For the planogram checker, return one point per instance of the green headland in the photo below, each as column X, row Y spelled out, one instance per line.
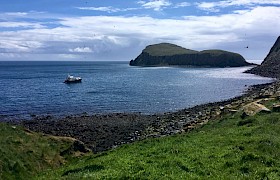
column 166, row 54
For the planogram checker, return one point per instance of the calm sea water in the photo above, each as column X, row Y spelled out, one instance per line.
column 37, row 88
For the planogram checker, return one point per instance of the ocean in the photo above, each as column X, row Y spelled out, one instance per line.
column 37, row 88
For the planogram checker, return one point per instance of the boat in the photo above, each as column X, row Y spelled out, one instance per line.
column 72, row 79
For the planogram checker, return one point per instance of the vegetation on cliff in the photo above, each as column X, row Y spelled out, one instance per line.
column 165, row 54
column 166, row 49
column 270, row 67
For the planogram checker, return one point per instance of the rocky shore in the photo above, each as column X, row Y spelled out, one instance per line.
column 103, row 132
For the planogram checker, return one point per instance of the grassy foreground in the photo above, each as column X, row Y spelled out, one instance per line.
column 23, row 154
column 228, row 148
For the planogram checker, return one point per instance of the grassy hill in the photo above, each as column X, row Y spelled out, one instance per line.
column 166, row 54
column 23, row 154
column 166, row 49
column 227, row 148
column 216, row 52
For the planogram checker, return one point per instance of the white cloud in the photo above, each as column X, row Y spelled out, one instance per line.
column 156, row 5
column 81, row 50
column 17, row 45
column 20, row 25
column 15, row 14
column 182, row 4
column 108, row 9
column 123, row 38
column 216, row 5
column 67, row 56
column 208, row 6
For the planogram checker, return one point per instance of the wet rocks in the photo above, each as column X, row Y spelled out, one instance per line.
column 99, row 132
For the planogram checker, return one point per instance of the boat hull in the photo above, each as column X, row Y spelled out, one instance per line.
column 73, row 81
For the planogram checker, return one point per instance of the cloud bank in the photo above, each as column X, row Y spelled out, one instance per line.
column 43, row 36
column 215, row 6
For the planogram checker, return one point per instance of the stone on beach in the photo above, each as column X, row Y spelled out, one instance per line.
column 253, row 108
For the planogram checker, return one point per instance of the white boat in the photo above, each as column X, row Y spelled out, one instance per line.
column 72, row 79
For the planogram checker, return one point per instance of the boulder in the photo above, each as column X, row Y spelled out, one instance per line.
column 253, row 108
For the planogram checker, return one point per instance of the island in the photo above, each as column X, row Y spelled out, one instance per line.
column 270, row 67
column 166, row 54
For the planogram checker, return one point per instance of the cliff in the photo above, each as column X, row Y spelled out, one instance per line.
column 165, row 54
column 270, row 67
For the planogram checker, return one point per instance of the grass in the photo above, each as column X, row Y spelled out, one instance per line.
column 23, row 154
column 228, row 148
column 166, row 49
column 217, row 52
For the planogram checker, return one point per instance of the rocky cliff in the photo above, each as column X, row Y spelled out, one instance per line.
column 270, row 67
column 165, row 54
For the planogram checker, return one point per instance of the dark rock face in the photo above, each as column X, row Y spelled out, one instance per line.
column 165, row 54
column 270, row 67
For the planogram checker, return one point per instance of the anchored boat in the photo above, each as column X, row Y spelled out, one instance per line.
column 72, row 79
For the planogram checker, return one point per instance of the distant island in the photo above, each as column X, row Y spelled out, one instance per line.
column 270, row 67
column 166, row 54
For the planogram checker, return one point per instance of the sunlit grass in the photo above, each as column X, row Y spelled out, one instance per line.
column 225, row 149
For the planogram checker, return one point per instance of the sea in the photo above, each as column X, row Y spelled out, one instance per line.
column 34, row 88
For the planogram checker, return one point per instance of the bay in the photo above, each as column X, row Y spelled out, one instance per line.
column 37, row 88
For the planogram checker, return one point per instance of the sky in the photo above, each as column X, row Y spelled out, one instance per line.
column 108, row 30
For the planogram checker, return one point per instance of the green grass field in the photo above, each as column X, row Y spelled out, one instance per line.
column 227, row 148
column 23, row 154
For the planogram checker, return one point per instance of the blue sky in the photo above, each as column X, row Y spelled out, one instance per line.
column 118, row 30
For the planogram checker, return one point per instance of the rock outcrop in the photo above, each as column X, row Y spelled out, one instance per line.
column 165, row 54
column 253, row 108
column 270, row 67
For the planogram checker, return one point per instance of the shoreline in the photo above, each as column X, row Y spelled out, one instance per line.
column 101, row 132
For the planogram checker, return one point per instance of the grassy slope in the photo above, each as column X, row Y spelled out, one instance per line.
column 229, row 148
column 24, row 154
column 216, row 52
column 166, row 49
